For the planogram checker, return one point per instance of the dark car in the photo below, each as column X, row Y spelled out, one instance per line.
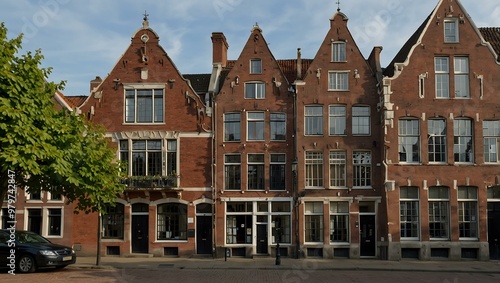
column 26, row 251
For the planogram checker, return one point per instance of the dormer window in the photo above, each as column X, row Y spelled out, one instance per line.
column 451, row 30
column 338, row 51
column 255, row 66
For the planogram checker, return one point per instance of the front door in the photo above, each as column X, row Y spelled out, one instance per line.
column 140, row 233
column 494, row 229
column 204, row 234
column 262, row 239
column 367, row 235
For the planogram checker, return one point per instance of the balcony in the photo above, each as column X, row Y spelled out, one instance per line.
column 133, row 183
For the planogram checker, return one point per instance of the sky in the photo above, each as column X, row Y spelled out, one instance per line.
column 84, row 39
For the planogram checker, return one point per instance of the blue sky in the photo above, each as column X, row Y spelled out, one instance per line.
column 84, row 39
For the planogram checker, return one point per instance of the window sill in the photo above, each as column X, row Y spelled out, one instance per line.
column 109, row 240
column 171, row 241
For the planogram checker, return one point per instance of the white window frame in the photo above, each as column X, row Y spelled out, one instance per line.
column 313, row 120
column 232, row 127
column 440, row 201
column 491, row 136
column 258, row 120
column 338, row 167
column 260, row 163
column 345, row 215
column 436, row 137
column 414, row 202
column 255, row 66
column 314, row 213
column 339, row 51
column 45, row 222
column 259, row 90
column 461, row 72
column 442, row 77
column 337, row 120
column 409, row 136
column 314, row 165
column 464, row 201
column 361, row 162
column 451, row 31
column 360, row 120
column 154, row 108
column 459, row 135
column 338, row 80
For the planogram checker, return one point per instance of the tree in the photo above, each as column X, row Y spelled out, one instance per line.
column 46, row 149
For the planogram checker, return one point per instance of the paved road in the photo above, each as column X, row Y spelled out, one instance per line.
column 299, row 275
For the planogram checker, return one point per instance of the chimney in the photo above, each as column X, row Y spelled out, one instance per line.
column 219, row 48
column 95, row 82
column 299, row 65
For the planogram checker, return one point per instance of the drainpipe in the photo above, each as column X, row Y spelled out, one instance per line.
column 213, row 168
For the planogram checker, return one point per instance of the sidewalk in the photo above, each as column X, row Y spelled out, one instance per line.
column 291, row 264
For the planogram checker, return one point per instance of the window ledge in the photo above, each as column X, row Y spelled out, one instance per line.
column 170, row 241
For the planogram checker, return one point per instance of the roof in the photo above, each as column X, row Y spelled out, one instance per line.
column 75, row 101
column 492, row 35
column 199, row 82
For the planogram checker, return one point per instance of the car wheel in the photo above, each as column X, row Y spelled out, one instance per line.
column 26, row 263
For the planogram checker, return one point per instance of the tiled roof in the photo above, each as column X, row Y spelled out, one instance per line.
column 492, row 35
column 75, row 101
column 199, row 82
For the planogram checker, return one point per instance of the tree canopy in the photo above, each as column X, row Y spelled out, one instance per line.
column 45, row 148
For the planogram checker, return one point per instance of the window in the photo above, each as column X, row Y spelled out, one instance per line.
column 439, row 217
column 409, row 140
column 467, row 212
column 112, row 221
column 277, row 172
column 451, row 30
column 409, row 213
column 54, row 220
column 255, row 66
column 362, row 168
column 144, row 106
column 314, row 169
column 437, row 140
column 256, row 172
column 146, row 157
column 35, row 195
column 232, row 172
column 255, row 90
column 314, row 221
column 232, row 129
column 55, row 196
column 313, row 120
column 281, row 217
column 338, row 52
column 338, row 81
column 172, row 221
column 360, row 120
column 339, row 221
column 35, row 220
column 462, row 89
column 255, row 121
column 6, row 218
column 491, row 134
column 278, row 126
column 337, row 120
column 171, row 157
column 238, row 221
column 337, row 169
column 463, row 147
column 442, row 77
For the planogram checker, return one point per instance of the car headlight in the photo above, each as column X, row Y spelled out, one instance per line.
column 47, row 252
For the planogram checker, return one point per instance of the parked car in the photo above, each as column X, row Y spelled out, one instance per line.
column 28, row 251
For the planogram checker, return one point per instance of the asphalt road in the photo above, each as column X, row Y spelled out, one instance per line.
column 171, row 274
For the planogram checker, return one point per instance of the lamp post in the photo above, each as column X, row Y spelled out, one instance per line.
column 296, row 205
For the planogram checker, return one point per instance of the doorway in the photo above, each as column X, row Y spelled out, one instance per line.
column 262, row 239
column 140, row 228
column 367, row 232
column 494, row 229
column 204, row 234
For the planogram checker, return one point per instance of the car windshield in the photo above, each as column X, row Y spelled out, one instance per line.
column 30, row 238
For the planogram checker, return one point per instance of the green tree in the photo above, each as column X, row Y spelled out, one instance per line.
column 46, row 149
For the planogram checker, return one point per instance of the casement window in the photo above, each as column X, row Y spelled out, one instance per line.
column 338, row 169
column 313, row 120
column 277, row 171
column 361, row 120
column 338, row 81
column 439, row 212
column 409, row 140
column 232, row 127
column 238, row 220
column 277, row 125
column 281, row 215
column 409, row 213
column 461, row 68
column 34, row 220
column 255, row 90
column 256, row 176
column 113, row 221
column 314, row 169
column 442, row 70
column 338, row 51
column 255, row 126
column 144, row 106
column 338, row 117
column 463, row 149
column 172, row 221
column 362, row 168
column 314, row 221
column 232, row 172
column 491, row 134
column 255, row 66
column 145, row 158
column 54, row 217
column 467, row 212
column 339, row 222
column 451, row 34
column 46, row 222
column 436, row 139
